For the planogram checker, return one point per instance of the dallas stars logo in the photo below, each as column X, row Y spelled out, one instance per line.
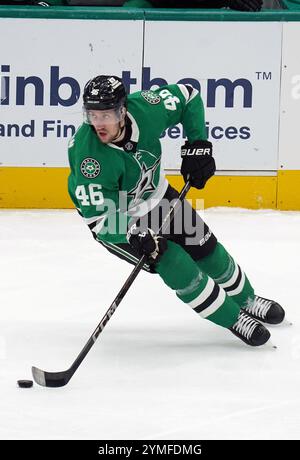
column 145, row 183
column 90, row 168
column 151, row 97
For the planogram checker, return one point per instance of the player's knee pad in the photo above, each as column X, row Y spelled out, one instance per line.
column 176, row 267
column 218, row 264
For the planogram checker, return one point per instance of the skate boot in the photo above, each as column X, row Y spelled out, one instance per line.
column 265, row 310
column 249, row 330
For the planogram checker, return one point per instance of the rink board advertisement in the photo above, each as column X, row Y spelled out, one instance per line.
column 289, row 145
column 236, row 66
column 42, row 77
column 248, row 75
column 288, row 196
column 42, row 81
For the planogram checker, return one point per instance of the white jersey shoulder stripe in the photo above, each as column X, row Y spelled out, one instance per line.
column 184, row 91
column 187, row 95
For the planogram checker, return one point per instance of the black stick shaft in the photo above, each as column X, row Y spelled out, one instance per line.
column 169, row 217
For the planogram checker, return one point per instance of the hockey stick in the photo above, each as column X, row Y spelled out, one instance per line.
column 59, row 379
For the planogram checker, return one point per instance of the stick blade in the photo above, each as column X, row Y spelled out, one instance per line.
column 50, row 379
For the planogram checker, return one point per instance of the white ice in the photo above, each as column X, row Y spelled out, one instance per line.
column 157, row 371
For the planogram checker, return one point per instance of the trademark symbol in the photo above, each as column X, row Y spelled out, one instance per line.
column 264, row 75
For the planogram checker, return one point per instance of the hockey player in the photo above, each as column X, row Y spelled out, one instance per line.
column 117, row 186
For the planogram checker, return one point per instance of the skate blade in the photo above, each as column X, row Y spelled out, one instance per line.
column 286, row 322
column 269, row 344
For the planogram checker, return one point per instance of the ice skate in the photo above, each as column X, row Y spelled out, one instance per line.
column 249, row 330
column 265, row 310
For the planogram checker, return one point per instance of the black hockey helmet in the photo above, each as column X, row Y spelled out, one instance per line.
column 104, row 92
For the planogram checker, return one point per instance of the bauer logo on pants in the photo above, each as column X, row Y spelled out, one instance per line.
column 90, row 168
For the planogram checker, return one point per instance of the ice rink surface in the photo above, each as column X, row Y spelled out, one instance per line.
column 157, row 371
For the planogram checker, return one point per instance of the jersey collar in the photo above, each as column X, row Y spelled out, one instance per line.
column 129, row 143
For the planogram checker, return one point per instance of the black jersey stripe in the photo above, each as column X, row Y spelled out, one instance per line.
column 123, row 254
column 190, row 89
column 236, row 283
column 92, row 225
column 210, row 299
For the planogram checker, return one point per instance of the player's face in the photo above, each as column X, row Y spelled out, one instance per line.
column 106, row 124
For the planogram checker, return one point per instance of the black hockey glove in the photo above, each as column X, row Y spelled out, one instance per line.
column 198, row 164
column 245, row 5
column 146, row 243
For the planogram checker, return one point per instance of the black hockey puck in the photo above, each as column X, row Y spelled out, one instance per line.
column 25, row 383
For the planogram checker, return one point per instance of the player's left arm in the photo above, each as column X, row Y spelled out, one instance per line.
column 184, row 104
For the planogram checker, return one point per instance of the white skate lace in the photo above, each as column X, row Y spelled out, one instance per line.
column 260, row 307
column 245, row 325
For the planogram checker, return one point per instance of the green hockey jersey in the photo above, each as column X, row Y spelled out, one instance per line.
column 111, row 184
